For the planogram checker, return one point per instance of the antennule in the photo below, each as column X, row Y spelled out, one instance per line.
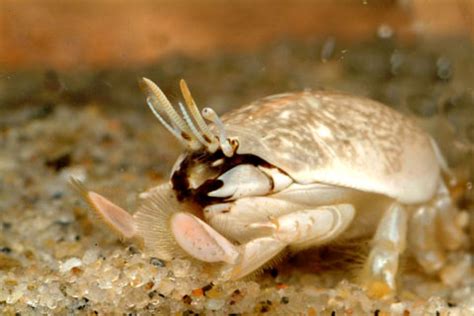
column 193, row 109
column 191, row 125
column 155, row 93
column 159, row 101
column 176, row 133
column 225, row 144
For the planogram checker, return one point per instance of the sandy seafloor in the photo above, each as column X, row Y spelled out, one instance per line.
column 94, row 125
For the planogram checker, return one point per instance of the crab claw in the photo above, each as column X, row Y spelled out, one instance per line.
column 200, row 240
column 164, row 225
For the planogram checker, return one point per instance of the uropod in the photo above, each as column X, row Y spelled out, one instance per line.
column 289, row 172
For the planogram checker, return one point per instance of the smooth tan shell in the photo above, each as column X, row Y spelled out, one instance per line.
column 339, row 139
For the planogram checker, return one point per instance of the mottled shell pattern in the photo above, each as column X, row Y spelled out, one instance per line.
column 339, row 139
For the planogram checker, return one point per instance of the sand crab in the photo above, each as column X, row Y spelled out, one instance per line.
column 293, row 171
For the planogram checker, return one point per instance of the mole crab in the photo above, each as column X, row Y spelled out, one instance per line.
column 289, row 172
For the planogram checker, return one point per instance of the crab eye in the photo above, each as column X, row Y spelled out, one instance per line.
column 234, row 143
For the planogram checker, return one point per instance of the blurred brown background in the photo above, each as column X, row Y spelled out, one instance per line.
column 68, row 34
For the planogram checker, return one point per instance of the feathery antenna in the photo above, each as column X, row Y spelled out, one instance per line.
column 190, row 129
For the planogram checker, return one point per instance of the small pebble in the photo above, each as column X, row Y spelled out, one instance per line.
column 157, row 262
column 69, row 264
column 5, row 249
column 214, row 304
column 6, row 225
column 59, row 162
column 207, row 288
column 187, row 299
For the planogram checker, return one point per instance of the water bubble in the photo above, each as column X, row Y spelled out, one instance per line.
column 444, row 68
column 396, row 62
column 327, row 50
column 385, row 31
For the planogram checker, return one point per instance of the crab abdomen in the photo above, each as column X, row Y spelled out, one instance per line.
column 339, row 139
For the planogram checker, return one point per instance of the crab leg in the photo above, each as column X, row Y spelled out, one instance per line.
column 115, row 217
column 299, row 228
column 389, row 242
column 434, row 229
column 200, row 240
column 423, row 239
column 450, row 229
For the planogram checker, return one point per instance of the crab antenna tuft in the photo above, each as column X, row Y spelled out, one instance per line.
column 173, row 131
column 225, row 144
column 191, row 125
column 193, row 109
column 160, row 101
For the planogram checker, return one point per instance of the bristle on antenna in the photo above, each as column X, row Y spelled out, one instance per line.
column 158, row 102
